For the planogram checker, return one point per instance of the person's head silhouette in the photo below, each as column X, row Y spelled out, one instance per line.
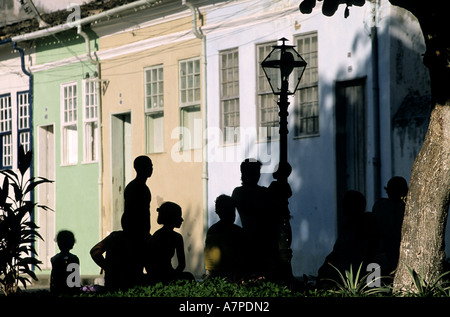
column 226, row 208
column 354, row 203
column 282, row 170
column 65, row 240
column 250, row 171
column 143, row 166
column 169, row 214
column 397, row 188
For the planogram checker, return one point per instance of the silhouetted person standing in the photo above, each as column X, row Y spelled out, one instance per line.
column 389, row 217
column 137, row 196
column 254, row 206
column 225, row 243
column 167, row 244
column 280, row 192
column 358, row 241
column 59, row 274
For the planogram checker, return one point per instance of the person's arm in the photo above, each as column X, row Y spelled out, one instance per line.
column 97, row 253
column 180, row 254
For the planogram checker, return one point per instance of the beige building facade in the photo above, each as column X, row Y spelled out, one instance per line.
column 151, row 105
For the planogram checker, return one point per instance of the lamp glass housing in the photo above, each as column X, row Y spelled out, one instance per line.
column 283, row 64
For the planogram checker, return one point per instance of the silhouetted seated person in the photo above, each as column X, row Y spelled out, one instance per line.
column 389, row 213
column 253, row 203
column 280, row 192
column 59, row 274
column 225, row 243
column 168, row 243
column 126, row 255
column 358, row 241
column 138, row 196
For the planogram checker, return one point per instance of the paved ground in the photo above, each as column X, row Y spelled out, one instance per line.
column 43, row 282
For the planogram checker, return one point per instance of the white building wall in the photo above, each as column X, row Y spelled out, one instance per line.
column 344, row 54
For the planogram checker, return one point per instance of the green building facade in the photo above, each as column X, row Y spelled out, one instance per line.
column 66, row 143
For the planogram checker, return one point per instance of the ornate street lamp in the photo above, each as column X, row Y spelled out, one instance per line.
column 284, row 68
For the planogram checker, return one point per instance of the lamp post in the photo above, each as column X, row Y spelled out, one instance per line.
column 284, row 68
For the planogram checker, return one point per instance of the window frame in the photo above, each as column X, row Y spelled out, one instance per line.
column 6, row 127
column 185, row 107
column 309, row 84
column 265, row 96
column 65, row 156
column 228, row 97
column 90, row 106
column 24, row 120
column 154, row 112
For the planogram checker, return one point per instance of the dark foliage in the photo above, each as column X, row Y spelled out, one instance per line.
column 18, row 231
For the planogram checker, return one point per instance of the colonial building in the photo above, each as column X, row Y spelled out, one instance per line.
column 152, row 105
column 66, row 141
column 114, row 82
column 357, row 119
column 92, row 87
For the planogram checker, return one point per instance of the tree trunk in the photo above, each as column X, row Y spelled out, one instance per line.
column 423, row 247
column 423, row 234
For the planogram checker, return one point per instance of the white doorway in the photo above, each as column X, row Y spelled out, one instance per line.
column 46, row 194
column 121, row 163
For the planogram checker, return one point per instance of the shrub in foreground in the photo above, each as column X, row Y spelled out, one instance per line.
column 214, row 287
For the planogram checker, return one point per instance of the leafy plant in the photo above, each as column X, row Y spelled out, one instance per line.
column 425, row 289
column 352, row 285
column 18, row 231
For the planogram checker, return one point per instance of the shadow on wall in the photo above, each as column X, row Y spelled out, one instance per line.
column 410, row 124
column 408, row 110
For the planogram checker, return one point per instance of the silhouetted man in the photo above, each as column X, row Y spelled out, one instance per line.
column 254, row 207
column 389, row 216
column 137, row 195
column 357, row 244
column 225, row 242
column 126, row 255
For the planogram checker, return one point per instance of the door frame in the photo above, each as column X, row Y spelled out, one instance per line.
column 115, row 220
column 48, row 242
column 341, row 181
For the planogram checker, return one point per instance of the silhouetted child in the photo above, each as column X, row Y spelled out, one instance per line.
column 280, row 192
column 138, row 197
column 358, row 241
column 168, row 243
column 389, row 217
column 253, row 203
column 225, row 242
column 59, row 274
